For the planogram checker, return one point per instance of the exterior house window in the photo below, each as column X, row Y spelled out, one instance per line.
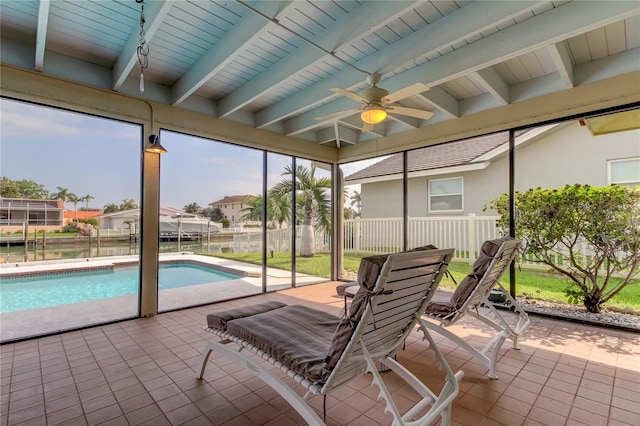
column 445, row 195
column 624, row 172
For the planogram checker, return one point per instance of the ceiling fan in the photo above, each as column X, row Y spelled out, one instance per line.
column 376, row 102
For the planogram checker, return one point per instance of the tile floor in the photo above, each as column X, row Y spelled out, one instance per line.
column 142, row 372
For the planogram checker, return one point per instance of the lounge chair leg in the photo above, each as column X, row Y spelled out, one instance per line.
column 515, row 343
column 204, row 359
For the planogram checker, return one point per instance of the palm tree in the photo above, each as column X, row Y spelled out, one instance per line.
column 312, row 192
column 128, row 204
column 356, row 200
column 62, row 194
column 253, row 211
column 86, row 199
column 278, row 208
column 192, row 208
column 110, row 208
column 73, row 198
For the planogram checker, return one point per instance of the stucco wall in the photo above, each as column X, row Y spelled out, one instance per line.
column 566, row 156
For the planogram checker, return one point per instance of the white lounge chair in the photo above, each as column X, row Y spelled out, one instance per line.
column 323, row 351
column 471, row 297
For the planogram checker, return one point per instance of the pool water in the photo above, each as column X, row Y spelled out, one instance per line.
column 21, row 294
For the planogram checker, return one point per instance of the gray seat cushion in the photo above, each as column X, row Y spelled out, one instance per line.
column 219, row 320
column 462, row 292
column 297, row 336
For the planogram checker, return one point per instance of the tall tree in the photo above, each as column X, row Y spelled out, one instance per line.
column 86, row 199
column 253, row 211
column 128, row 204
column 278, row 208
column 22, row 189
column 356, row 201
column 62, row 194
column 74, row 199
column 313, row 193
column 192, row 208
column 110, row 208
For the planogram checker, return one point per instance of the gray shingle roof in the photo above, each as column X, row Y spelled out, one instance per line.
column 434, row 157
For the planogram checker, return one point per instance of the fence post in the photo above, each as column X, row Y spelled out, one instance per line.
column 472, row 238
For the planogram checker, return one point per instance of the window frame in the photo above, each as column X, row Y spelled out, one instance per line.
column 621, row 160
column 430, row 196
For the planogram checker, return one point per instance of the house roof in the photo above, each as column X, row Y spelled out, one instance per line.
column 7, row 202
column 271, row 65
column 81, row 214
column 451, row 154
column 164, row 211
column 231, row 199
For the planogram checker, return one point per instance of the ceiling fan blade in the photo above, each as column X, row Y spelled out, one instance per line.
column 336, row 114
column 411, row 112
column 396, row 96
column 348, row 94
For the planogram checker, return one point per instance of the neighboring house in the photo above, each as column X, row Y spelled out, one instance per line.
column 231, row 206
column 16, row 213
column 460, row 178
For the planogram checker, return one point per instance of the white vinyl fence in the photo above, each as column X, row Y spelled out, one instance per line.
column 464, row 233
column 384, row 235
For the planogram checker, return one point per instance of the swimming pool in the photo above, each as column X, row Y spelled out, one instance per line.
column 44, row 290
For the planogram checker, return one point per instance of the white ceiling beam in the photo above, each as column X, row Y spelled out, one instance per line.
column 41, row 33
column 442, row 101
column 358, row 23
column 562, row 61
column 492, row 83
column 557, row 24
column 250, row 28
column 478, row 16
column 607, row 67
column 154, row 14
column 410, row 122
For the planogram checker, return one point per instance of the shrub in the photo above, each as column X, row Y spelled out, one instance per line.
column 71, row 227
column 596, row 229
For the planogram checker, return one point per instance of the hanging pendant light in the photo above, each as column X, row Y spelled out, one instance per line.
column 154, row 145
column 143, row 48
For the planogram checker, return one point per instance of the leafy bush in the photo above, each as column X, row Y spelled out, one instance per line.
column 597, row 230
column 91, row 221
column 71, row 227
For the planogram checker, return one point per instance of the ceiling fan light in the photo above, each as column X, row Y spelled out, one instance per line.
column 373, row 115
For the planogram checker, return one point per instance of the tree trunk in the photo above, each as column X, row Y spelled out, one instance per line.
column 307, row 242
column 592, row 303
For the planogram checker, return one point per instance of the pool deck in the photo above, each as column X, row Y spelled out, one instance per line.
column 35, row 322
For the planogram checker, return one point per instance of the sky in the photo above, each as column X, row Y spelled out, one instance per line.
column 100, row 157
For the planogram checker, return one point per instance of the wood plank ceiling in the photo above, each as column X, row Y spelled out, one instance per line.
column 271, row 64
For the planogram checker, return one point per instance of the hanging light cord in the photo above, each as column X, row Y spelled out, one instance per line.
column 143, row 47
column 301, row 37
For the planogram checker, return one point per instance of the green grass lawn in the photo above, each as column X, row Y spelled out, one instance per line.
column 531, row 283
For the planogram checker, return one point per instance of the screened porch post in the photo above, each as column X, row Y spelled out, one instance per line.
column 149, row 230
